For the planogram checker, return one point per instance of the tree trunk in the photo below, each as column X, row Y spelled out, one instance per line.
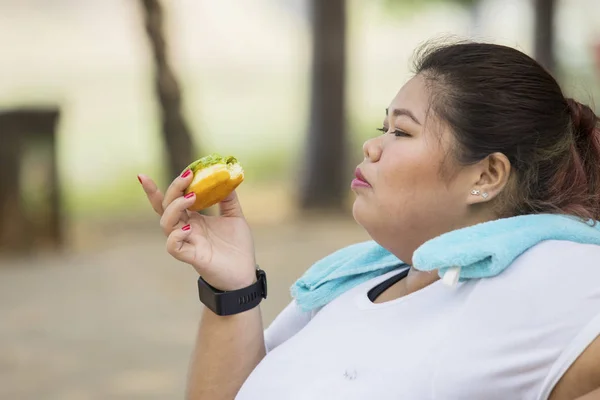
column 544, row 33
column 176, row 135
column 322, row 184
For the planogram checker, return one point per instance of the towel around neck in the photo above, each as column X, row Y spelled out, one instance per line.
column 481, row 251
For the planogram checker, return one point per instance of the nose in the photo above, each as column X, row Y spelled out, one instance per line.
column 372, row 149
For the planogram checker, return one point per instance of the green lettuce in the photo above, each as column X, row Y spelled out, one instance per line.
column 210, row 160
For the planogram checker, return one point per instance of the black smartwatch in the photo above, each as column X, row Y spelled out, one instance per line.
column 236, row 301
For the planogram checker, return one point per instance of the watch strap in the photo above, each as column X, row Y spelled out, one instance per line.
column 235, row 301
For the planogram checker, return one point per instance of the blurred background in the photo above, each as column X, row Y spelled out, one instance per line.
column 93, row 92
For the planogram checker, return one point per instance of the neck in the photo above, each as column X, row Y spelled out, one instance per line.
column 417, row 280
column 405, row 248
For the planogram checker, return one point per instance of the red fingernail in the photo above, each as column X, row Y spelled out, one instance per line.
column 186, row 173
column 189, row 195
column 186, row 228
column 139, row 179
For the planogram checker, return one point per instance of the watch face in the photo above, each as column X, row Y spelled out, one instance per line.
column 208, row 297
column 261, row 277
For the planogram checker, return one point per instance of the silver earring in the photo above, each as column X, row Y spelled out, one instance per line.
column 476, row 192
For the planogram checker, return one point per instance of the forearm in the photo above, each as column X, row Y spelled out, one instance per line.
column 227, row 349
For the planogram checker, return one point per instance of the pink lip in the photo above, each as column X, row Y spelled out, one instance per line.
column 356, row 183
column 360, row 180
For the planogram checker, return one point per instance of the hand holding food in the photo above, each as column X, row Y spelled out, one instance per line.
column 220, row 247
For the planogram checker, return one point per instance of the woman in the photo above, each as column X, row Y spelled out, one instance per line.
column 479, row 134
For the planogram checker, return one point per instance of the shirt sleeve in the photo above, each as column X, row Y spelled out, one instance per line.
column 289, row 322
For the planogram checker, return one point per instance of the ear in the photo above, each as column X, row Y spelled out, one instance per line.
column 490, row 177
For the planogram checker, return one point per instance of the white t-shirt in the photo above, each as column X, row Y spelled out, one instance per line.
column 507, row 337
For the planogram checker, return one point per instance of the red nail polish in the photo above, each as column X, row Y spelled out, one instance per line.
column 186, row 173
column 189, row 195
column 139, row 179
column 186, row 228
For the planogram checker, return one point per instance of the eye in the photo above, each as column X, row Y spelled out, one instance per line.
column 396, row 132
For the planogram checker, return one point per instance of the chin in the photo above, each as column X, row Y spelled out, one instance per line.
column 371, row 218
column 360, row 211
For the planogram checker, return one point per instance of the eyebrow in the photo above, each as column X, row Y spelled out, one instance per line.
column 403, row 111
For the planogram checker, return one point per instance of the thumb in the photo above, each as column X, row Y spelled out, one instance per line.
column 230, row 206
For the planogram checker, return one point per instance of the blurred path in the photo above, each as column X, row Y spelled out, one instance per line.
column 118, row 320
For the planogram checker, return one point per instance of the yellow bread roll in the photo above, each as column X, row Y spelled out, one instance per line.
column 215, row 177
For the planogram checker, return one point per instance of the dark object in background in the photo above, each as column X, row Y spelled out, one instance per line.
column 30, row 204
column 323, row 169
column 544, row 33
column 175, row 132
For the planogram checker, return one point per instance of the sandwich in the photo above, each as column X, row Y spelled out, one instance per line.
column 215, row 177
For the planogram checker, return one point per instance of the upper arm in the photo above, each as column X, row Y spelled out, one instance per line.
column 595, row 395
column 289, row 322
column 582, row 378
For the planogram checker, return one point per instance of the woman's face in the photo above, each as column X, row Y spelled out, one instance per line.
column 415, row 190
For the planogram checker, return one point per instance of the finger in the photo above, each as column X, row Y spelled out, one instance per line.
column 175, row 215
column 155, row 197
column 230, row 206
column 177, row 187
column 180, row 245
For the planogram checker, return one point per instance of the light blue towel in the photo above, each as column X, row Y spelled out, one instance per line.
column 482, row 251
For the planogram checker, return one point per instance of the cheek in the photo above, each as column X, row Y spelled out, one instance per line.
column 411, row 187
column 408, row 175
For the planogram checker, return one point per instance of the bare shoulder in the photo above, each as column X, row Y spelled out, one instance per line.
column 582, row 377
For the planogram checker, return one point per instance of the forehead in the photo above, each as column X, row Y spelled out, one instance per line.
column 413, row 96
